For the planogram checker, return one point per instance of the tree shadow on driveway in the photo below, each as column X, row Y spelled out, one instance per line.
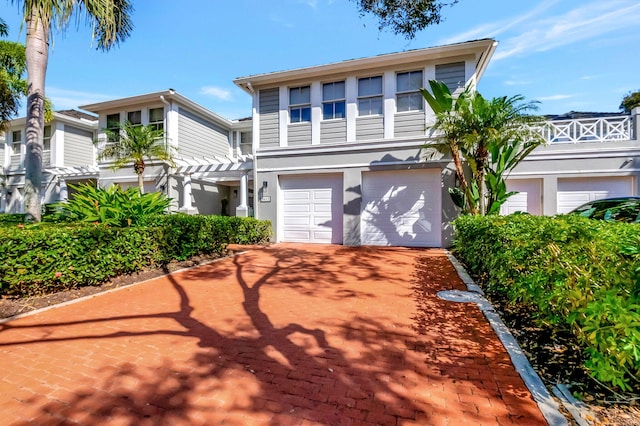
column 285, row 335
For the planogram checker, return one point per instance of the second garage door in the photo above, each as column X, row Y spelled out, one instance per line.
column 573, row 192
column 311, row 209
column 402, row 208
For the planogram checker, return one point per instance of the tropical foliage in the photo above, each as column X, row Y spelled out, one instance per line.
column 13, row 63
column 577, row 273
column 134, row 145
column 113, row 206
column 630, row 101
column 490, row 135
column 110, row 23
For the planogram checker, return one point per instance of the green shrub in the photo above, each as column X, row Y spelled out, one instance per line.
column 112, row 206
column 11, row 218
column 578, row 273
column 44, row 257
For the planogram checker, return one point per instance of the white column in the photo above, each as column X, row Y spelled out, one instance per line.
column 3, row 200
column 283, row 115
column 389, row 95
column 186, row 194
column 63, row 192
column 351, row 89
column 243, row 210
column 316, row 111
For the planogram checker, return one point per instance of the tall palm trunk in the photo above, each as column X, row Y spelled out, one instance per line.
column 457, row 162
column 37, row 49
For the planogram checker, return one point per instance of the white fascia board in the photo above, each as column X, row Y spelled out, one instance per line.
column 57, row 117
column 249, row 83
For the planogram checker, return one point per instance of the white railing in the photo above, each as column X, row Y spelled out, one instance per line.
column 588, row 130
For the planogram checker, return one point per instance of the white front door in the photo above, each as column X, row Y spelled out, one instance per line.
column 310, row 208
column 402, row 208
column 573, row 192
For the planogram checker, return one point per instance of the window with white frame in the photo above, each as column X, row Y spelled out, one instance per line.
column 333, row 100
column 156, row 118
column 408, row 96
column 113, row 125
column 16, row 141
column 300, row 104
column 134, row 117
column 46, row 141
column 370, row 96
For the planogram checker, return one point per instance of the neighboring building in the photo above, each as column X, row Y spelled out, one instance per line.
column 68, row 157
column 589, row 156
column 213, row 154
column 339, row 149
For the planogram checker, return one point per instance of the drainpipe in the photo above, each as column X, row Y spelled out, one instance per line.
column 635, row 123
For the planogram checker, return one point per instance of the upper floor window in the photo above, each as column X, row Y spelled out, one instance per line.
column 156, row 118
column 300, row 104
column 16, row 141
column 408, row 96
column 370, row 96
column 134, row 117
column 46, row 142
column 333, row 100
column 113, row 124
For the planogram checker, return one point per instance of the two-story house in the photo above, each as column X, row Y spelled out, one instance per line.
column 339, row 149
column 68, row 157
column 212, row 174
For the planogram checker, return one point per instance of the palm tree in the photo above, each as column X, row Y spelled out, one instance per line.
column 110, row 21
column 492, row 136
column 133, row 144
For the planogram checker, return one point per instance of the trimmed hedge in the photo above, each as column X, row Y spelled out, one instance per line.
column 45, row 258
column 578, row 273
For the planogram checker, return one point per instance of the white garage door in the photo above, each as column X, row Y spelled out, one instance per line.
column 528, row 198
column 402, row 208
column 311, row 209
column 577, row 191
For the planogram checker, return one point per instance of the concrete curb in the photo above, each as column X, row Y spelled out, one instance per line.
column 548, row 406
column 91, row 296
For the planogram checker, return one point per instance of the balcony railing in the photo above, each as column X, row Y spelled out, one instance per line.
column 601, row 129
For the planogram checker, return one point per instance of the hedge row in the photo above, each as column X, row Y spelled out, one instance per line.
column 578, row 273
column 44, row 258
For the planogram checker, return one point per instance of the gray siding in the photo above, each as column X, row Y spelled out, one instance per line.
column 246, row 142
column 451, row 74
column 46, row 158
column 299, row 134
column 333, row 131
column 269, row 119
column 371, row 127
column 410, row 124
column 198, row 137
column 78, row 147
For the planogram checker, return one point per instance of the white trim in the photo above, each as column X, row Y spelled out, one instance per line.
column 470, row 73
column 351, row 93
column 584, row 154
column 57, row 145
column 578, row 173
column 316, row 111
column 369, row 166
column 417, row 142
column 283, row 116
column 389, row 103
column 429, row 115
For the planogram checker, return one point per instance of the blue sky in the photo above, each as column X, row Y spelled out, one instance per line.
column 577, row 55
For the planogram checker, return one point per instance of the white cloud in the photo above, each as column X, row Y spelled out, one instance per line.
column 557, row 97
column 275, row 18
column 517, row 82
column 72, row 99
column 586, row 22
column 493, row 29
column 216, row 92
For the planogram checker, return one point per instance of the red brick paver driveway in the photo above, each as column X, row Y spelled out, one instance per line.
column 288, row 335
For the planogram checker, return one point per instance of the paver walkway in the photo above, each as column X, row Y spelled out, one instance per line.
column 288, row 335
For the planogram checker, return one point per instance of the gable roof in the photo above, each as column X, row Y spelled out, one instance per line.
column 484, row 48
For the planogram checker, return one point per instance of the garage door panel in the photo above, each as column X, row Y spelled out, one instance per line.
column 528, row 198
column 312, row 207
column 573, row 192
column 402, row 208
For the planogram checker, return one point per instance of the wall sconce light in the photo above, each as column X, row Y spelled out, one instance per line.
column 235, row 193
column 264, row 184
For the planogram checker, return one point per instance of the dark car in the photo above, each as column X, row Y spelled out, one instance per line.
column 620, row 209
